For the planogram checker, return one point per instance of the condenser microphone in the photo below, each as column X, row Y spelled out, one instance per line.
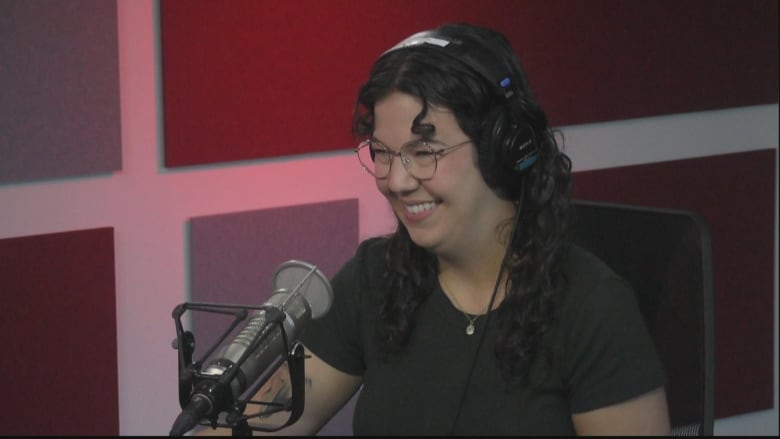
column 302, row 293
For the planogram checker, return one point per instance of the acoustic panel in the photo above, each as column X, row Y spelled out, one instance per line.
column 233, row 256
column 736, row 195
column 59, row 76
column 58, row 334
column 250, row 79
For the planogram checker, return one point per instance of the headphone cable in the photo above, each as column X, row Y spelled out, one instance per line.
column 507, row 252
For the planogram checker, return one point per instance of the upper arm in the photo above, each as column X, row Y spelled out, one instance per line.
column 327, row 390
column 611, row 367
column 646, row 414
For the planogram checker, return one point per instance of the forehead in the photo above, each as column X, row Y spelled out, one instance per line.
column 394, row 117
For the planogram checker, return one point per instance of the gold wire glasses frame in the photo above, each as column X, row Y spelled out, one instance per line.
column 418, row 158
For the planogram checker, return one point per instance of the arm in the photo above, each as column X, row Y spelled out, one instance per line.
column 646, row 414
column 327, row 390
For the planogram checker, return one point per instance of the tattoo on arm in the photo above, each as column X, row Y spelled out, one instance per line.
column 277, row 391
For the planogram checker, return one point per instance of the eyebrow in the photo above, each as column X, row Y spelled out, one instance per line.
column 378, row 140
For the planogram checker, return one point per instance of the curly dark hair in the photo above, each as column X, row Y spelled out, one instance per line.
column 535, row 277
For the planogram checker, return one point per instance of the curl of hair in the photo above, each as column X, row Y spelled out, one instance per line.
column 535, row 280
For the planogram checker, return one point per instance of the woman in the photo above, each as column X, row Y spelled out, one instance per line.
column 476, row 316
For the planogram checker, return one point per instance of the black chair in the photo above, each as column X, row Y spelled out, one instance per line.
column 666, row 255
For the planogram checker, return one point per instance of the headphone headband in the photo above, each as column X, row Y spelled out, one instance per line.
column 476, row 56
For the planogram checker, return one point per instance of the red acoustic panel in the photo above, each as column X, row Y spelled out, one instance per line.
column 58, row 335
column 736, row 195
column 250, row 79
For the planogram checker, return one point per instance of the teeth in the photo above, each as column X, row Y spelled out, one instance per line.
column 417, row 208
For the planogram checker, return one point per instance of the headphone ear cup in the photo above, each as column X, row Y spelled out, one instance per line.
column 514, row 143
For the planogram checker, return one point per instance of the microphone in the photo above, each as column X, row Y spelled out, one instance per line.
column 302, row 293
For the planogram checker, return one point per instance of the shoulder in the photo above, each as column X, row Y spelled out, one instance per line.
column 363, row 269
column 593, row 289
column 373, row 248
column 586, row 274
column 369, row 256
column 582, row 266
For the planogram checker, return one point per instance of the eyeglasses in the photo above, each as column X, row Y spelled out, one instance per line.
column 418, row 157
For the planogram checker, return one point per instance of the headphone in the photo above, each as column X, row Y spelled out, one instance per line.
column 513, row 140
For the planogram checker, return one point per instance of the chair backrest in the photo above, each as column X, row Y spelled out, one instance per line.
column 666, row 255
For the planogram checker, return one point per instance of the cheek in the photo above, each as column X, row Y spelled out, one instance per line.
column 382, row 186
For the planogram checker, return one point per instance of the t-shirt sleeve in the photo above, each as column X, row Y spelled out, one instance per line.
column 335, row 336
column 609, row 354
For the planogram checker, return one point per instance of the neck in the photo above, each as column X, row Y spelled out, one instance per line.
column 469, row 275
column 470, row 288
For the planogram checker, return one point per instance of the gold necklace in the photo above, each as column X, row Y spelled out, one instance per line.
column 469, row 318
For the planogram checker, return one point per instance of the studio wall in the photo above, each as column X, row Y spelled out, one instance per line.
column 213, row 116
column 252, row 79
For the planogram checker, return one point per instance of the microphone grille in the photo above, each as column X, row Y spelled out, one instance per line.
column 308, row 281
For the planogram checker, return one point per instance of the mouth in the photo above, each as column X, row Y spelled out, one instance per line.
column 416, row 209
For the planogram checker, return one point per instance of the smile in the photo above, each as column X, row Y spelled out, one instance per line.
column 419, row 208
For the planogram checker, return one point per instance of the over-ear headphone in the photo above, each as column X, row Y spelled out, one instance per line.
column 514, row 140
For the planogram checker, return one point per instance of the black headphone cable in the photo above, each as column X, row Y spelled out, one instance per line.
column 507, row 252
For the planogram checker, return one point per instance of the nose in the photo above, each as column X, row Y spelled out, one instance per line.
column 400, row 179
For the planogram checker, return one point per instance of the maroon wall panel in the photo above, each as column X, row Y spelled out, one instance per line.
column 249, row 79
column 736, row 194
column 58, row 335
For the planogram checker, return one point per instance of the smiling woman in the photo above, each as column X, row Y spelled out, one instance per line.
column 477, row 316
column 484, row 235
column 453, row 206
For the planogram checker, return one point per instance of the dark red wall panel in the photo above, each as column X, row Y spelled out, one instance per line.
column 58, row 335
column 735, row 193
column 250, row 79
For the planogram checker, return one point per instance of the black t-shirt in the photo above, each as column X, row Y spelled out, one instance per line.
column 601, row 355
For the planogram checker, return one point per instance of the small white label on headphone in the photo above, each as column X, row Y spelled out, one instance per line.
column 426, row 40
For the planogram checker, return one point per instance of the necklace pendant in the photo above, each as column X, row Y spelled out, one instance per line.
column 470, row 329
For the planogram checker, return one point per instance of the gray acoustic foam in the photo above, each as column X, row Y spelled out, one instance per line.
column 59, row 89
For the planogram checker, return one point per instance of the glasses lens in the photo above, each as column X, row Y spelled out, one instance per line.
column 375, row 158
column 420, row 159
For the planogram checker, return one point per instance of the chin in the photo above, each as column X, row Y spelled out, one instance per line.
column 425, row 242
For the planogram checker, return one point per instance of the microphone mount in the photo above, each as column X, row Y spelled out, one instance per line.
column 192, row 381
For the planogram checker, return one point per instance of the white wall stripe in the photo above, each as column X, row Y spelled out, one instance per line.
column 671, row 137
